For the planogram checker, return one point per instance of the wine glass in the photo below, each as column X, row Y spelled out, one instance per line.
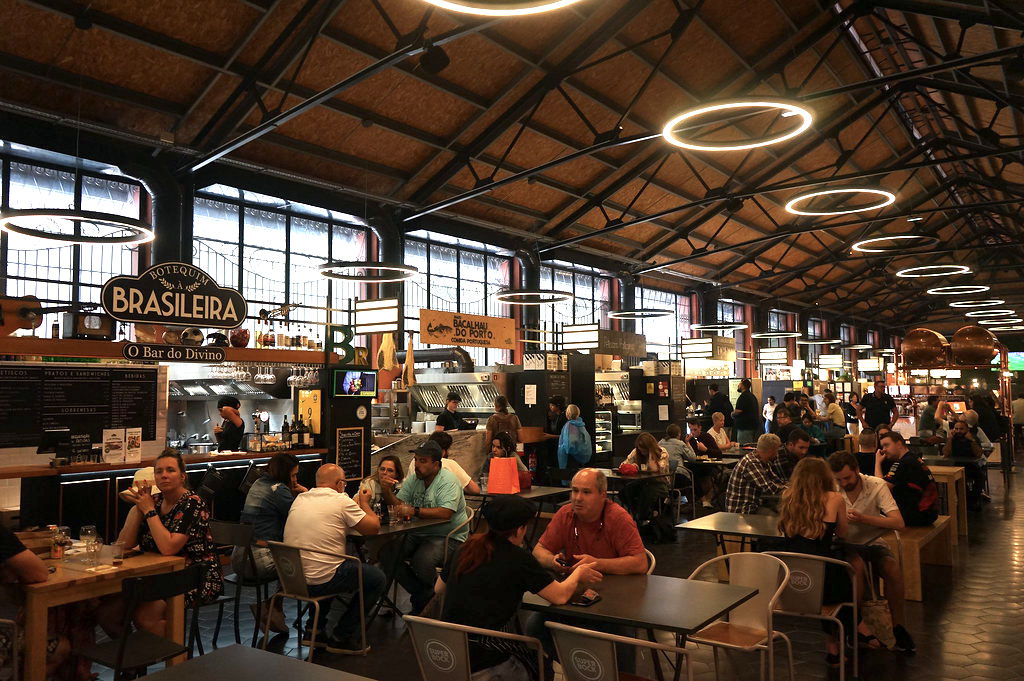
column 87, row 533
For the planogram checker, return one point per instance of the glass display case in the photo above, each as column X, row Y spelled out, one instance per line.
column 603, row 431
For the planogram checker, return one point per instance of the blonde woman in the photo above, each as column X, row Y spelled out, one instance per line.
column 719, row 432
column 642, row 497
column 812, row 515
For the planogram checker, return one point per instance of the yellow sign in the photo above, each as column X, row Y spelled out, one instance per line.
column 452, row 328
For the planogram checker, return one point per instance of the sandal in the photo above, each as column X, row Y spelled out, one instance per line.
column 870, row 642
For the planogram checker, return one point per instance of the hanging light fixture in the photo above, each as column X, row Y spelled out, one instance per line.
column 71, row 226
column 368, row 272
column 977, row 303
column 532, row 296
column 933, row 271
column 1001, row 321
column 859, row 346
column 640, row 313
column 896, row 243
column 787, row 108
column 1012, row 327
column 724, row 327
column 990, row 313
column 887, row 199
column 819, row 341
column 501, row 8
column 957, row 290
column 776, row 334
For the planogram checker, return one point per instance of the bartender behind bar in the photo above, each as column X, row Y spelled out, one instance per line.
column 229, row 432
column 450, row 419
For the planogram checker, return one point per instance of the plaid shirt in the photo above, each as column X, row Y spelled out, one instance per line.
column 752, row 479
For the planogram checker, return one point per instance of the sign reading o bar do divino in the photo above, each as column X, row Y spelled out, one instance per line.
column 173, row 293
column 452, row 328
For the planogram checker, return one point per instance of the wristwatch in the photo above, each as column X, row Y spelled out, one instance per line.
column 416, row 511
column 150, row 514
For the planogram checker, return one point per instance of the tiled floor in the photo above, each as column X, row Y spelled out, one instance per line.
column 970, row 627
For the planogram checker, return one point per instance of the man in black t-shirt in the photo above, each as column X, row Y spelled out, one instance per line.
column 719, row 402
column 450, row 419
column 910, row 481
column 26, row 566
column 878, row 408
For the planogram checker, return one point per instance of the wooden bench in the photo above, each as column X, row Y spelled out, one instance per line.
column 917, row 545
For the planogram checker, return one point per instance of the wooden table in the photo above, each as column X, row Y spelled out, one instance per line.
column 652, row 602
column 71, row 582
column 242, row 663
column 956, row 495
column 614, row 474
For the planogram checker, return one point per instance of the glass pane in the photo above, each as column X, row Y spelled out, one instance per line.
column 309, row 237
column 110, row 196
column 37, row 187
column 264, row 229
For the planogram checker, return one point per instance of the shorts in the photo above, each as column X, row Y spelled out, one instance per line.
column 874, row 554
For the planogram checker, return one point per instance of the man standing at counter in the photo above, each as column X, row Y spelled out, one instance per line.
column 229, row 433
column 746, row 421
column 719, row 402
column 878, row 408
column 450, row 419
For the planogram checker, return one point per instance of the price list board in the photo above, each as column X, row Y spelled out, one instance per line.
column 83, row 399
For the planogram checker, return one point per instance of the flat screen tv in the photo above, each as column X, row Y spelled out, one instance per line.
column 1016, row 361
column 355, row 383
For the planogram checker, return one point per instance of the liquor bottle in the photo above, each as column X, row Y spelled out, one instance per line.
column 285, row 431
column 300, row 432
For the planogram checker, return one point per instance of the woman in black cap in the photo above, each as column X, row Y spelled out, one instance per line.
column 484, row 582
column 229, row 432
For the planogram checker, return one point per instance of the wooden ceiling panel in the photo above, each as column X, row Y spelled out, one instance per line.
column 224, row 23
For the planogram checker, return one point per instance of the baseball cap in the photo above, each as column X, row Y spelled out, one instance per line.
column 454, row 397
column 507, row 512
column 429, row 448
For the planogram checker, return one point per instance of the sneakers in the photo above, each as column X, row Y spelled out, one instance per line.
column 904, row 643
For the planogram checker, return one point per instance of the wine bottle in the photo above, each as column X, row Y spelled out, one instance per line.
column 285, row 431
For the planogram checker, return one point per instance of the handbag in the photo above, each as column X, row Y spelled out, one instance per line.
column 503, row 477
column 875, row 613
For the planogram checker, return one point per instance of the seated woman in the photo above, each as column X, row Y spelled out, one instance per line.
column 484, row 582
column 266, row 508
column 811, row 516
column 502, row 446
column 642, row 497
column 964, row 443
column 173, row 522
column 389, row 468
column 719, row 432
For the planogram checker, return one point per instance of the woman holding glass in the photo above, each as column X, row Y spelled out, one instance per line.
column 173, row 522
column 389, row 468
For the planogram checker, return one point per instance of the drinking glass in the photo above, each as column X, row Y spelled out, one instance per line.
column 92, row 551
column 393, row 518
column 87, row 533
column 117, row 553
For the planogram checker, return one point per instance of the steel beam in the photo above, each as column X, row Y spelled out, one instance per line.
column 954, row 11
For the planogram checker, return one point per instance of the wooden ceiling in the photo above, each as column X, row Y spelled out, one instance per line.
column 921, row 98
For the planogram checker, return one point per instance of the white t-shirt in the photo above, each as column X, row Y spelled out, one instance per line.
column 768, row 412
column 460, row 474
column 875, row 498
column 321, row 519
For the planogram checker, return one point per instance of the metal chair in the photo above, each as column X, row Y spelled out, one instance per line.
column 651, row 561
column 805, row 593
column 288, row 561
column 588, row 655
column 239, row 535
column 455, row 530
column 676, row 493
column 10, row 626
column 442, row 648
column 252, row 474
column 750, row 625
column 211, row 483
column 135, row 649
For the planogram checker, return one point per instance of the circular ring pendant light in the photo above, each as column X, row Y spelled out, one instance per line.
column 977, row 303
column 990, row 313
column 957, row 290
column 534, row 296
column 819, row 341
column 640, row 313
column 859, row 346
column 933, row 271
column 725, row 327
column 887, row 199
column 65, row 226
column 787, row 107
column 1001, row 320
column 368, row 272
column 776, row 334
column 897, row 243
column 1012, row 327
column 501, row 8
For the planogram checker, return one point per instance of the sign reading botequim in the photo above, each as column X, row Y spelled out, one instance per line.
column 173, row 293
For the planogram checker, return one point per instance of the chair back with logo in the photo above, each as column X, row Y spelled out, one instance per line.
column 588, row 655
column 767, row 574
column 442, row 651
column 805, row 590
column 288, row 562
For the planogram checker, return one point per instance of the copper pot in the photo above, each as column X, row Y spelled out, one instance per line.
column 973, row 345
column 924, row 348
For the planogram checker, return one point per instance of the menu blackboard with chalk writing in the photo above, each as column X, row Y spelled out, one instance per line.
column 85, row 399
column 349, row 452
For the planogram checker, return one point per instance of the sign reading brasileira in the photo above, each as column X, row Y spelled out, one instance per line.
column 173, row 293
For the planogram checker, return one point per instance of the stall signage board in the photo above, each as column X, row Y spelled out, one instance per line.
column 149, row 352
column 349, row 452
column 621, row 343
column 451, row 328
column 173, row 294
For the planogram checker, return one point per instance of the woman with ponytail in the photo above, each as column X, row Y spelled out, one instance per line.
column 484, row 582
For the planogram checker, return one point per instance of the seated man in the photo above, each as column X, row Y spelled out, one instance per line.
column 432, row 493
column 756, row 477
column 869, row 502
column 444, row 440
column 797, row 445
column 910, row 481
column 591, row 529
column 963, row 444
column 700, row 442
column 319, row 520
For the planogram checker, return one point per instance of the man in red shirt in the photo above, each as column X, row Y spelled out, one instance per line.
column 591, row 529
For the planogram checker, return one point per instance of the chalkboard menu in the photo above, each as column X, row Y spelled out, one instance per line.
column 349, row 452
column 84, row 399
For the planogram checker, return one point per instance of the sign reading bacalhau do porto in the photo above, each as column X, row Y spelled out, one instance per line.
column 451, row 328
column 173, row 293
